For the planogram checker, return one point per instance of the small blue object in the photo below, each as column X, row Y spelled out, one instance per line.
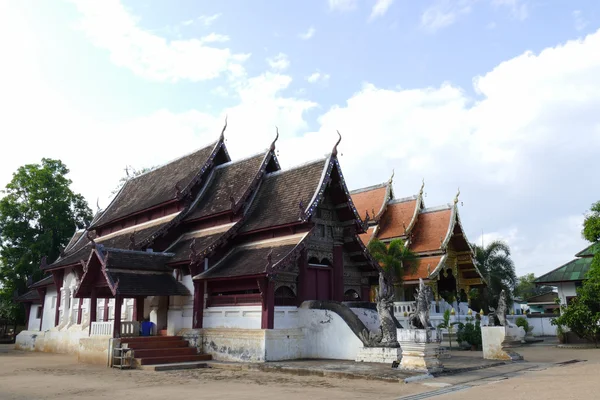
column 147, row 328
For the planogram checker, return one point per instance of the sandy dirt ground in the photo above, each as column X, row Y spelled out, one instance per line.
column 52, row 376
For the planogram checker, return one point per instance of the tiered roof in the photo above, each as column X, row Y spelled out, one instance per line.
column 135, row 250
column 427, row 231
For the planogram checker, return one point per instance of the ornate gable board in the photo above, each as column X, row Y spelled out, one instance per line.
column 252, row 188
column 324, row 181
column 418, row 207
column 102, row 258
column 273, row 270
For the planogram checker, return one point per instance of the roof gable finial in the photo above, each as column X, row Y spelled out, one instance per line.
column 98, row 204
column 456, row 197
column 222, row 137
column 422, row 187
column 391, row 180
column 334, row 151
column 272, row 148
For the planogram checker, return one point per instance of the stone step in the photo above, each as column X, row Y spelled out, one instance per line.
column 145, row 339
column 173, row 359
column 159, row 344
column 176, row 366
column 178, row 351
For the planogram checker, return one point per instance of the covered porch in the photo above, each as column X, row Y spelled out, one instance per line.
column 116, row 276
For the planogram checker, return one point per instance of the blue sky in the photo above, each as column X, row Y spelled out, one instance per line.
column 497, row 97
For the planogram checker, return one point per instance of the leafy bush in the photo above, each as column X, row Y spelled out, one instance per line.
column 523, row 323
column 470, row 333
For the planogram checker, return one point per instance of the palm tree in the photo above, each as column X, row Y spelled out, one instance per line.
column 494, row 262
column 393, row 259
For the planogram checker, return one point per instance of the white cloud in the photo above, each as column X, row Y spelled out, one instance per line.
column 579, row 20
column 110, row 26
column 443, row 13
column 280, row 62
column 308, row 34
column 214, row 38
column 518, row 8
column 521, row 150
column 208, row 20
column 380, row 8
column 188, row 22
column 317, row 77
column 342, row 5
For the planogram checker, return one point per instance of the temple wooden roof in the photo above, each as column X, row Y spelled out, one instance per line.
column 158, row 186
column 255, row 258
column 202, row 240
column 230, row 182
column 280, row 195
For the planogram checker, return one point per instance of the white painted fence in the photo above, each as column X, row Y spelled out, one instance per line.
column 102, row 328
column 128, row 328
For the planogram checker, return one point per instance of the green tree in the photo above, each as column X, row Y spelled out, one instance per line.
column 582, row 315
column 497, row 267
column 527, row 288
column 38, row 214
column 591, row 224
column 395, row 259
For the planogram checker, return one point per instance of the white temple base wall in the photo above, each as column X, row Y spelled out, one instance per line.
column 311, row 334
column 419, row 350
column 386, row 355
column 498, row 341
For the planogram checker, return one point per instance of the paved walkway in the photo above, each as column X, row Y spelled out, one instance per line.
column 458, row 363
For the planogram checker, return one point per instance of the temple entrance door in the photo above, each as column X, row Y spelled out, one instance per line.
column 319, row 287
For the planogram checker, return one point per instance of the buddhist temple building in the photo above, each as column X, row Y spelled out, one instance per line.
column 435, row 234
column 219, row 250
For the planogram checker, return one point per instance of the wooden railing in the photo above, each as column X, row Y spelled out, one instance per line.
column 234, row 300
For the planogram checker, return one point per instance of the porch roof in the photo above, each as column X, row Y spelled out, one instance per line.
column 31, row 296
column 128, row 273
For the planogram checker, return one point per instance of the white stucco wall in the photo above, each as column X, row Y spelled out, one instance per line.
column 286, row 317
column 34, row 323
column 326, row 335
column 368, row 317
column 49, row 309
column 181, row 309
column 542, row 326
column 240, row 317
column 565, row 290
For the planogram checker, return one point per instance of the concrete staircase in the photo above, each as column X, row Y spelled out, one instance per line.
column 163, row 350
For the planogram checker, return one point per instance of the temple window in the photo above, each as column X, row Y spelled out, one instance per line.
column 284, row 296
column 351, row 295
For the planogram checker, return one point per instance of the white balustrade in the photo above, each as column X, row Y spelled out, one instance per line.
column 130, row 328
column 102, row 328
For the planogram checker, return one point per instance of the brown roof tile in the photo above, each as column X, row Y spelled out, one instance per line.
column 251, row 259
column 397, row 216
column 430, row 230
column 203, row 239
column 277, row 201
column 155, row 187
column 231, row 179
column 422, row 270
column 367, row 236
column 369, row 199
